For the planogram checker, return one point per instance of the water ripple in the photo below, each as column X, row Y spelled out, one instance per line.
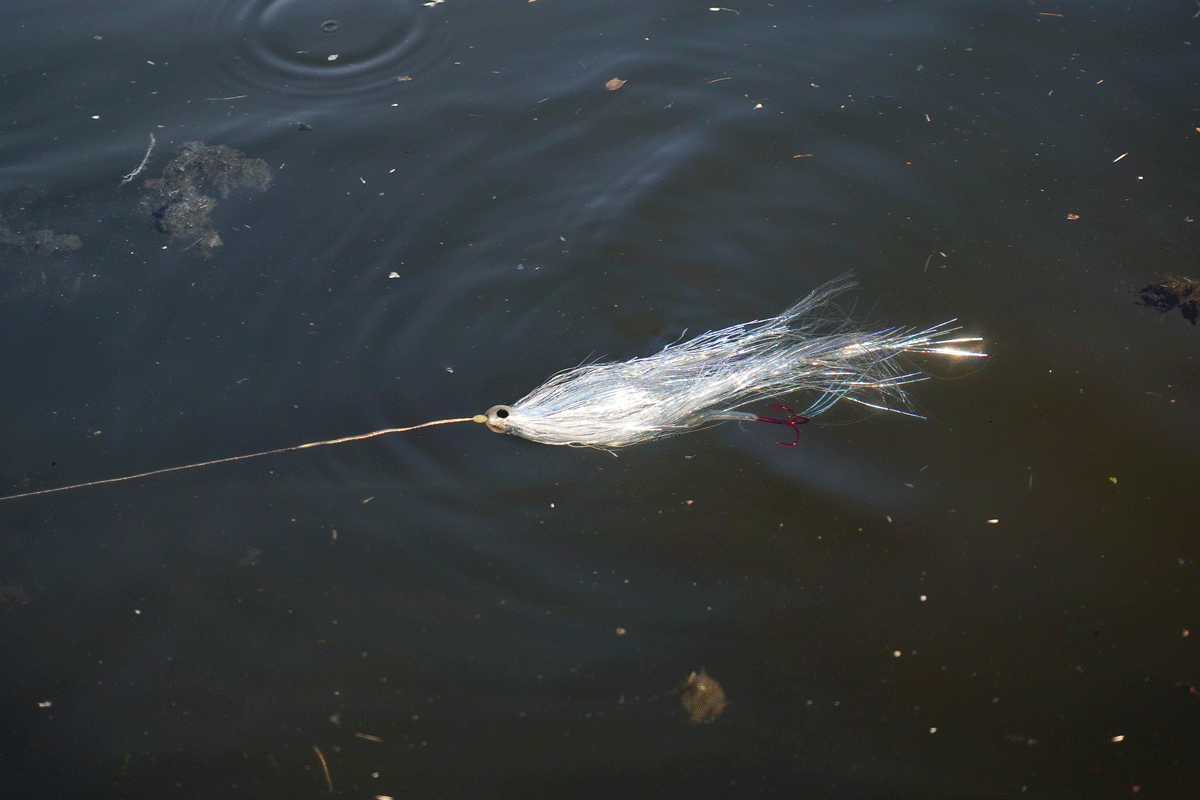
column 315, row 49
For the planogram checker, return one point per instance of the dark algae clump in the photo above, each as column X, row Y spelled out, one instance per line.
column 1183, row 293
column 177, row 201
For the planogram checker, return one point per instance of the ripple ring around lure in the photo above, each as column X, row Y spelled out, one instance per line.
column 315, row 48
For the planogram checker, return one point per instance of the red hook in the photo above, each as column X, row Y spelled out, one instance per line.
column 793, row 419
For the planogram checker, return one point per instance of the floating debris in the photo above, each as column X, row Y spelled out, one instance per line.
column 12, row 596
column 1175, row 291
column 57, row 280
column 324, row 768
column 141, row 166
column 178, row 206
column 614, row 84
column 251, row 557
column 40, row 242
column 702, row 698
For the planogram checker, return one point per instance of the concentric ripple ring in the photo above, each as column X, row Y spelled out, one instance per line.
column 317, row 48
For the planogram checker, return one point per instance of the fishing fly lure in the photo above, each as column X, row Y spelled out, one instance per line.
column 813, row 347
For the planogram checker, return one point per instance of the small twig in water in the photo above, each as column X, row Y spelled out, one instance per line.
column 324, row 766
column 140, row 166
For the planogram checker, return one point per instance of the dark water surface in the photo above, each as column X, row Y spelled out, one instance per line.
column 978, row 604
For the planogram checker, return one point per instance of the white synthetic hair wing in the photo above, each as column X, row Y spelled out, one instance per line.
column 811, row 347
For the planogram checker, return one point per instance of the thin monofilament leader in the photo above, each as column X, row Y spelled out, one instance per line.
column 811, row 347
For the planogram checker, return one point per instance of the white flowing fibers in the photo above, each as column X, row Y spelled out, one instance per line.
column 812, row 347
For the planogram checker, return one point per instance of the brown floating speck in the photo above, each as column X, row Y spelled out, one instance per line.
column 702, row 698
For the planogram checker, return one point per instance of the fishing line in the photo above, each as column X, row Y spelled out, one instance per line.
column 477, row 418
column 813, row 347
